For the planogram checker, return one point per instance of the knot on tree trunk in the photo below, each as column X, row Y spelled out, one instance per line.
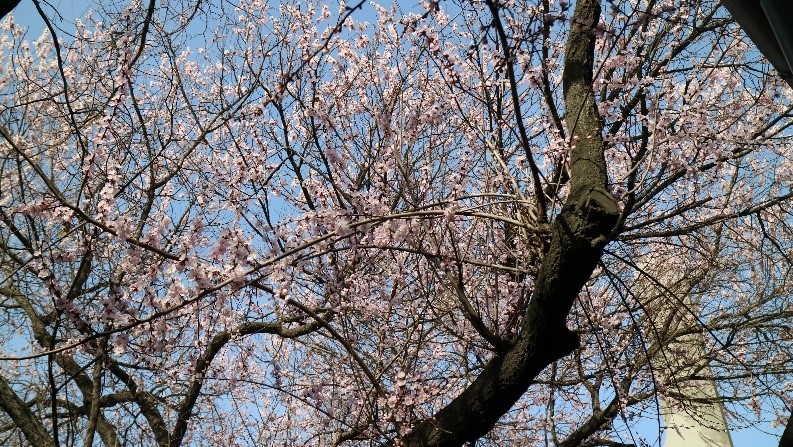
column 590, row 215
column 579, row 234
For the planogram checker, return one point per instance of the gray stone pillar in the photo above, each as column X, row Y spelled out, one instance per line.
column 690, row 405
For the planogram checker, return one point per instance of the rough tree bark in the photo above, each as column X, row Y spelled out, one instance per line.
column 579, row 234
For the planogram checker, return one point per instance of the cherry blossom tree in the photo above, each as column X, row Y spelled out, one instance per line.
column 482, row 223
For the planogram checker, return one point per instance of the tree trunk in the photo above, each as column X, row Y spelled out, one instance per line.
column 579, row 234
column 787, row 435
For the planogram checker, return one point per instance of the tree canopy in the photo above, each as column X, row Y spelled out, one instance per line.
column 452, row 223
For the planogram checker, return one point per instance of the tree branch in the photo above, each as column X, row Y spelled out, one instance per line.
column 30, row 425
column 204, row 362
